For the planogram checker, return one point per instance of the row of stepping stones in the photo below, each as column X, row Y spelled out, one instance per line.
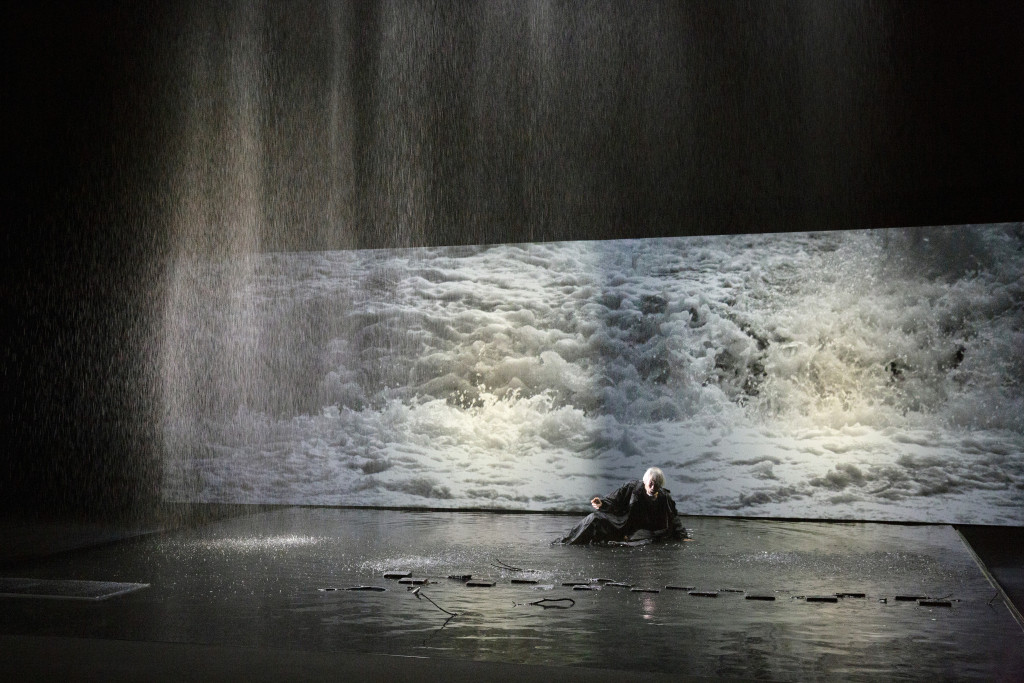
column 406, row 578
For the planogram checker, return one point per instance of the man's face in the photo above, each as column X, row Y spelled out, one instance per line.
column 650, row 486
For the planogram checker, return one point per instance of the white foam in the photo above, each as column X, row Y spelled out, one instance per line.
column 533, row 376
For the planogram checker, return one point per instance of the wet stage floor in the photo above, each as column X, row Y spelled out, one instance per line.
column 260, row 581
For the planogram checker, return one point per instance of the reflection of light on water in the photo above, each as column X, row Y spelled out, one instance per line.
column 254, row 544
column 647, row 603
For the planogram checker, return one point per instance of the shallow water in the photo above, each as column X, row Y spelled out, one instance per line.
column 255, row 581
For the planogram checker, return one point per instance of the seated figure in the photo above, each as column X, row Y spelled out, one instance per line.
column 637, row 512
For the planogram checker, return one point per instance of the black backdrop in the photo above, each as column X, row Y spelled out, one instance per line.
column 594, row 121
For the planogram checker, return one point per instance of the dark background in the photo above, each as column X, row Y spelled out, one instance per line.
column 134, row 131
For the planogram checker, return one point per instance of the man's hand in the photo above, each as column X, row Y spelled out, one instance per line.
column 596, row 502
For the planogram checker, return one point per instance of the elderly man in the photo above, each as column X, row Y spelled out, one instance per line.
column 638, row 511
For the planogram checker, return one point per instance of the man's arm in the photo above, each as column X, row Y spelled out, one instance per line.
column 671, row 506
column 668, row 514
column 617, row 502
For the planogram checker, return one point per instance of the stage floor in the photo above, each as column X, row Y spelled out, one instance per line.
column 742, row 599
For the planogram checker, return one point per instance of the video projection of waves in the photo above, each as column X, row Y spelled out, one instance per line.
column 842, row 375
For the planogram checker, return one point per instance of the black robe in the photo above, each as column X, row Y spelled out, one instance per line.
column 628, row 514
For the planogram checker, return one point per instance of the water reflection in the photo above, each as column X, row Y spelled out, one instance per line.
column 256, row 582
column 258, row 544
column 647, row 604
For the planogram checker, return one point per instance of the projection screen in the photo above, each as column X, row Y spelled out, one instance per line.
column 869, row 375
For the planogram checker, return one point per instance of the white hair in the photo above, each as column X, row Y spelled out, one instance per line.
column 656, row 475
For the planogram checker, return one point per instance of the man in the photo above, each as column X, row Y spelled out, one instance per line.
column 636, row 512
